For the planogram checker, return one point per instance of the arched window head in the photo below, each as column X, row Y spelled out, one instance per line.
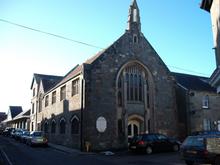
column 62, row 126
column 46, row 127
column 75, row 126
column 53, row 126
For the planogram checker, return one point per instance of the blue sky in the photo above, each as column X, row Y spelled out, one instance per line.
column 179, row 31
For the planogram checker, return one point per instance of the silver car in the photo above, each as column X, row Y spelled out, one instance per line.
column 37, row 138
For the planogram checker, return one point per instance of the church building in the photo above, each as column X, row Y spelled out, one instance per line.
column 123, row 90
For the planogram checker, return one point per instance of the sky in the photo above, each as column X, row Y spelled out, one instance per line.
column 179, row 31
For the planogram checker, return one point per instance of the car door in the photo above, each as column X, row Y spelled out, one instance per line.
column 163, row 142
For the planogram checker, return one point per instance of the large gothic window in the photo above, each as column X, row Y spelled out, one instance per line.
column 133, row 84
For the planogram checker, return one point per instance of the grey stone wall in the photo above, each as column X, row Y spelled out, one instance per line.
column 101, row 91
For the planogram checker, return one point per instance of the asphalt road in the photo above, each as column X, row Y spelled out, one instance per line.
column 16, row 153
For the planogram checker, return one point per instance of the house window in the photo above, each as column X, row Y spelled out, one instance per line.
column 62, row 126
column 53, row 126
column 46, row 127
column 40, row 105
column 54, row 97
column 206, row 125
column 33, row 92
column 205, row 102
column 46, row 101
column 75, row 87
column 63, row 93
column 32, row 108
column 75, row 125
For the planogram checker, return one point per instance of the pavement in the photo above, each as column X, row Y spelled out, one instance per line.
column 76, row 151
column 68, row 150
column 64, row 149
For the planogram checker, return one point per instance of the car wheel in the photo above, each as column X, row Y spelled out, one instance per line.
column 149, row 150
column 175, row 147
column 189, row 162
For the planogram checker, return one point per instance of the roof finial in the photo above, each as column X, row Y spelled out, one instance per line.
column 134, row 22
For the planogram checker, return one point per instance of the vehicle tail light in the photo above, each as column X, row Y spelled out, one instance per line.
column 141, row 142
column 205, row 152
column 45, row 139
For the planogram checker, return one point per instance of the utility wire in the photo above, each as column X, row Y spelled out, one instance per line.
column 80, row 42
column 51, row 34
column 188, row 70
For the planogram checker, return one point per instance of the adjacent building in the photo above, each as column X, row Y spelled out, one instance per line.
column 213, row 6
column 198, row 102
column 12, row 113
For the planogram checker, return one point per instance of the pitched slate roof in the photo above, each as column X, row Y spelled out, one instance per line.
column 15, row 110
column 192, row 82
column 24, row 114
column 48, row 81
column 206, row 5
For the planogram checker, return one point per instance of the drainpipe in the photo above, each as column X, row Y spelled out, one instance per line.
column 81, row 110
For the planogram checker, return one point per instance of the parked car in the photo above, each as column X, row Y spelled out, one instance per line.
column 150, row 143
column 18, row 133
column 24, row 136
column 206, row 133
column 201, row 149
column 37, row 138
column 7, row 131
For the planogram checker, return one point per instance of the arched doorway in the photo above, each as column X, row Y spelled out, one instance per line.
column 135, row 125
column 133, row 128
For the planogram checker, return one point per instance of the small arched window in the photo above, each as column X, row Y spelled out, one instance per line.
column 53, row 126
column 119, row 99
column 62, row 126
column 75, row 125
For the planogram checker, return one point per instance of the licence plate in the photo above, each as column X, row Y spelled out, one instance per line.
column 191, row 152
column 40, row 140
column 133, row 147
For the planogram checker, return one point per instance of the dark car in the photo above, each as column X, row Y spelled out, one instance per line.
column 201, row 149
column 150, row 143
column 206, row 133
column 24, row 136
column 18, row 133
column 7, row 131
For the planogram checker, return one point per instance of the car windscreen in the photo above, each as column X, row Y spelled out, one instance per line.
column 136, row 138
column 37, row 134
column 194, row 141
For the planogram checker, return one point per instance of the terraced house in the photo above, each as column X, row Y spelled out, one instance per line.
column 121, row 91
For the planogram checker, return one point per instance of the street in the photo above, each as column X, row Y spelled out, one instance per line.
column 16, row 153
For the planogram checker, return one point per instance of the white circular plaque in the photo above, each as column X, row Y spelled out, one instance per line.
column 101, row 124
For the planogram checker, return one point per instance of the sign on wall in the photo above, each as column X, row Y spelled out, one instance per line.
column 101, row 124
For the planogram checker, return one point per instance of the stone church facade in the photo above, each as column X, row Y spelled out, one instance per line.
column 123, row 90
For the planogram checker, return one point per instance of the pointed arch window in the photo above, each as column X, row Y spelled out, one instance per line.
column 62, row 126
column 75, row 125
column 46, row 127
column 53, row 126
